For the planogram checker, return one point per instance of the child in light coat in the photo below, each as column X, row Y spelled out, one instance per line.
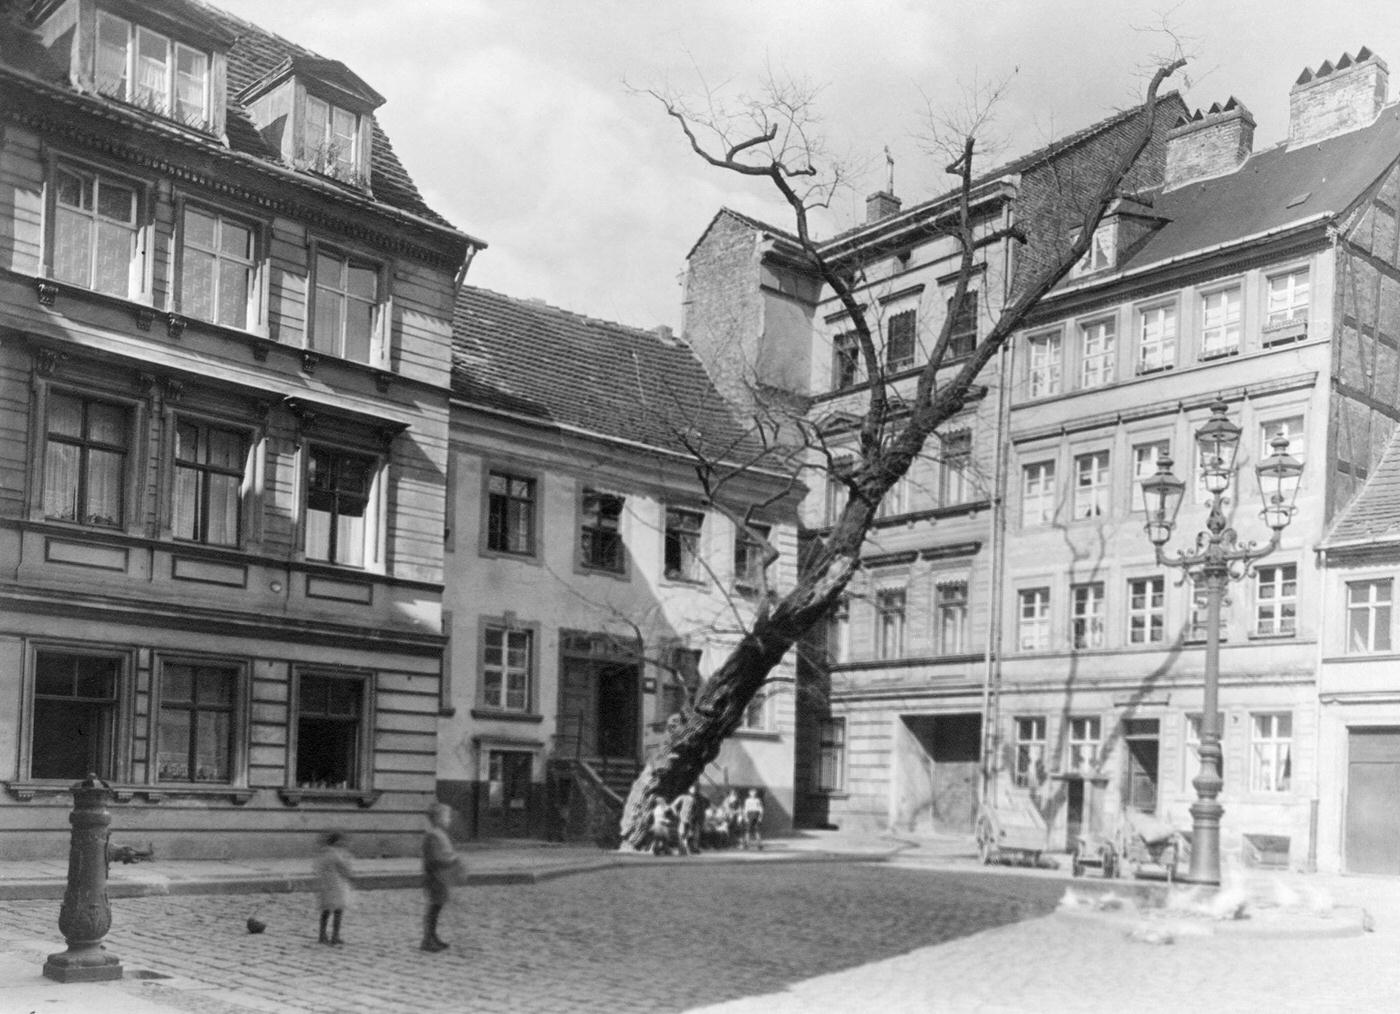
column 333, row 884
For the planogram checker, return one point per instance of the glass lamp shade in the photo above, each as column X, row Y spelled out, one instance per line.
column 1161, row 495
column 1279, row 475
column 1218, row 441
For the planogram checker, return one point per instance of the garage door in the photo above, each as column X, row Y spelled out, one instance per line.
column 1373, row 801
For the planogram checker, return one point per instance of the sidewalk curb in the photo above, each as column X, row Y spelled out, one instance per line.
column 50, row 889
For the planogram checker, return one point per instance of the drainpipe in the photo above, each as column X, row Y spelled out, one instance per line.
column 991, row 677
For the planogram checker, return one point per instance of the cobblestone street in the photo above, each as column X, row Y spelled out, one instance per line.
column 654, row 939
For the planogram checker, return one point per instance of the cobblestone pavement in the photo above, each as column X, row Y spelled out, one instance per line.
column 655, row 939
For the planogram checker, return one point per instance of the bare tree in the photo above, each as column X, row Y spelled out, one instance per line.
column 774, row 139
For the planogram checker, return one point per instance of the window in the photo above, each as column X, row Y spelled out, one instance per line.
column 1220, row 322
column 194, row 737
column 1091, row 485
column 954, row 474
column 681, row 681
column 845, row 361
column 1030, row 752
column 1100, row 353
column 508, row 779
column 831, row 755
column 683, row 544
column 1271, row 752
column 1145, row 459
column 962, row 337
column 1086, row 618
column 210, row 466
column 749, row 555
column 330, row 139
column 1045, row 364
column 1368, row 616
column 217, row 264
column 510, row 514
column 137, row 65
column 951, row 600
column 756, row 712
column 1141, row 736
column 85, row 460
column 1038, row 493
column 889, row 619
column 1291, row 428
column 345, row 316
column 838, row 633
column 1157, row 338
column 507, row 668
column 1082, row 745
column 1099, row 256
column 330, row 740
column 1276, row 600
column 1033, row 619
column 1287, row 302
column 836, row 489
column 75, row 715
column 600, row 534
column 96, row 241
column 896, row 499
column 899, row 341
column 1147, row 617
column 337, row 506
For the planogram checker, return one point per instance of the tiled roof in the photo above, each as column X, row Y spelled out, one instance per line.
column 1273, row 188
column 1374, row 514
column 258, row 52
column 1166, row 105
column 561, row 368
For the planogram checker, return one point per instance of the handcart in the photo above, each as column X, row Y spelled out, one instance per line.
column 1141, row 843
column 1010, row 827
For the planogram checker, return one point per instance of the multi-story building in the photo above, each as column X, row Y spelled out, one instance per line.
column 1267, row 279
column 893, row 720
column 225, row 358
column 1358, row 740
column 592, row 575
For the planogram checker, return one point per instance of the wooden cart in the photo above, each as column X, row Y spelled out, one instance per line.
column 1140, row 844
column 1011, row 828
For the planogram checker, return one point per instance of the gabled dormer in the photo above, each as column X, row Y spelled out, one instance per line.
column 1126, row 223
column 317, row 114
column 166, row 57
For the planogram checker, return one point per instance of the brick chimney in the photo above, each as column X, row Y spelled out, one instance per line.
column 1336, row 99
column 1209, row 144
column 881, row 204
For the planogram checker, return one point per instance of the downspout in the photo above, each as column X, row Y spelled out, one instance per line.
column 991, row 677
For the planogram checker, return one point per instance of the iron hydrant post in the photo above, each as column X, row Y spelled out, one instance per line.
column 86, row 914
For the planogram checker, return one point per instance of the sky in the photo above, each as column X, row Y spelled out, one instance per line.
column 523, row 122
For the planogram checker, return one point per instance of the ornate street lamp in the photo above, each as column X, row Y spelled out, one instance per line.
column 1217, row 559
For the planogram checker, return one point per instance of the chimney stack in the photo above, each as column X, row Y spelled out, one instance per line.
column 881, row 204
column 1209, row 144
column 1336, row 99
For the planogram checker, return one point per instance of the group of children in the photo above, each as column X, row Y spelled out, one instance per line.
column 441, row 869
column 689, row 821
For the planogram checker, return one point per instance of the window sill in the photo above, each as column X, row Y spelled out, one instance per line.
column 296, row 796
column 684, row 582
column 125, row 793
column 758, row 734
column 1289, row 636
column 1147, row 371
column 1219, row 354
column 495, row 715
column 594, row 570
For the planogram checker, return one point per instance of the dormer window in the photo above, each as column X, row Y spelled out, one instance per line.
column 1099, row 256
column 330, row 139
column 152, row 71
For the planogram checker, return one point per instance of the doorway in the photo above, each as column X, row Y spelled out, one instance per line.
column 1142, row 737
column 1373, row 801
column 600, row 696
column 939, row 772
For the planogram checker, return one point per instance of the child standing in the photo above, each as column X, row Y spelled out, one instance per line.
column 333, row 879
column 753, row 820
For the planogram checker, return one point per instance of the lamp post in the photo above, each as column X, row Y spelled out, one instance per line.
column 1217, row 559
